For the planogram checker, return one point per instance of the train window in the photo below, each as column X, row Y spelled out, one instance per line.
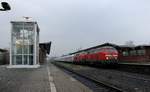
column 95, row 51
column 111, row 50
column 125, row 53
column 90, row 51
column 141, row 52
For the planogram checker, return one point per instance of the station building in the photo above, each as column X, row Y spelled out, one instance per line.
column 135, row 54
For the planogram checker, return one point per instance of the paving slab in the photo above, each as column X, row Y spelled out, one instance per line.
column 24, row 80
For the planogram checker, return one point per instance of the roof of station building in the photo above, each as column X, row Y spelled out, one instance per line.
column 3, row 50
column 46, row 46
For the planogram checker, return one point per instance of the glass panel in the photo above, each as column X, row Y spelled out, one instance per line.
column 30, row 49
column 18, row 59
column 133, row 52
column 25, row 49
column 30, row 60
column 26, row 59
column 141, row 52
column 19, row 48
column 125, row 53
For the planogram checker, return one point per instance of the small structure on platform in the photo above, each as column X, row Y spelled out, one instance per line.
column 44, row 51
column 4, row 56
column 24, row 50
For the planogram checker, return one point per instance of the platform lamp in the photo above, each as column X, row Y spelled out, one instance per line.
column 5, row 6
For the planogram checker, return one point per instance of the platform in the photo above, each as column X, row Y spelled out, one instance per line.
column 66, row 83
column 23, row 66
column 140, row 64
column 46, row 78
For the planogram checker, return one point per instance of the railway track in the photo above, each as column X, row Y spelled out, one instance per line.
column 135, row 68
column 107, row 86
column 123, row 81
column 133, row 76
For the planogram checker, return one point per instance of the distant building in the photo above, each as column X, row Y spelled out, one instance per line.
column 43, row 51
column 4, row 56
column 135, row 54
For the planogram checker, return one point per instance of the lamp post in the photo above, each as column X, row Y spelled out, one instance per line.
column 5, row 6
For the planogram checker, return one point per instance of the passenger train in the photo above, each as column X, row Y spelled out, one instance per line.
column 105, row 55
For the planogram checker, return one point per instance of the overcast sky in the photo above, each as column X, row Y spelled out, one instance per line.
column 74, row 24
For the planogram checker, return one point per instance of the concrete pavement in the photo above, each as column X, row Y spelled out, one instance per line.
column 47, row 78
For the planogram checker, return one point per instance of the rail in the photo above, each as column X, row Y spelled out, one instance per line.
column 106, row 85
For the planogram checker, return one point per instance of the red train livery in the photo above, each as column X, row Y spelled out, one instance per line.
column 101, row 55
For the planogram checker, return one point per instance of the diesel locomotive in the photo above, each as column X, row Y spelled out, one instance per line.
column 102, row 55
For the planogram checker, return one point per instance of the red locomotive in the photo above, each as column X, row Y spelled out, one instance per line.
column 101, row 55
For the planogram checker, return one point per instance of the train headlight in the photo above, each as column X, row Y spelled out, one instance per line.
column 107, row 58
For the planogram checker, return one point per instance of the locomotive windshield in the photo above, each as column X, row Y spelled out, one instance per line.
column 108, row 49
